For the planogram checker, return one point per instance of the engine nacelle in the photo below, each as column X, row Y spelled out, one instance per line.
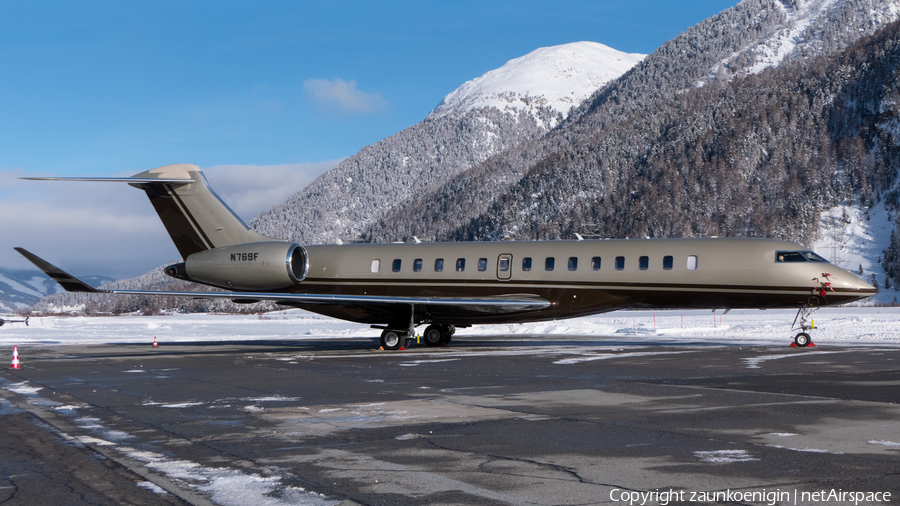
column 269, row 265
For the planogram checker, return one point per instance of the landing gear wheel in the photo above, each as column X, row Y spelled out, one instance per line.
column 447, row 335
column 392, row 340
column 802, row 340
column 433, row 335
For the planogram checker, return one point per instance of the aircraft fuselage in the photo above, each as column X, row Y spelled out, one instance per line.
column 578, row 277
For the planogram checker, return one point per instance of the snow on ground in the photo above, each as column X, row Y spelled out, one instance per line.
column 839, row 325
column 226, row 486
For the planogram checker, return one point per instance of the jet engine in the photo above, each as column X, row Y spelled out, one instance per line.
column 268, row 265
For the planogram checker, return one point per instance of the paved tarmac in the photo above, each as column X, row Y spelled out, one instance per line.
column 501, row 420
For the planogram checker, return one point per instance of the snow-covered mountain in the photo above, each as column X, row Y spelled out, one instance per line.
column 520, row 101
column 20, row 289
column 557, row 77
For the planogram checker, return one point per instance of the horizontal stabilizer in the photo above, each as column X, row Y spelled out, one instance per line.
column 66, row 280
column 131, row 180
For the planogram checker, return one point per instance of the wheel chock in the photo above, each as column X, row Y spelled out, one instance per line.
column 402, row 348
column 810, row 345
column 381, row 348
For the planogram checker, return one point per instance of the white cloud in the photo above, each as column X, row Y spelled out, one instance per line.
column 344, row 95
column 111, row 229
column 252, row 189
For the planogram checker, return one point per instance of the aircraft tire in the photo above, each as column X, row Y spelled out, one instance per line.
column 392, row 340
column 802, row 340
column 433, row 335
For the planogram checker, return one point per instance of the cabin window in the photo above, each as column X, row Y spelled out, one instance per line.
column 504, row 264
column 573, row 263
column 460, row 264
column 526, row 264
column 549, row 263
column 620, row 263
column 692, row 263
column 668, row 262
column 417, row 265
column 396, row 265
column 439, row 265
column 595, row 264
column 376, row 265
column 482, row 264
column 644, row 263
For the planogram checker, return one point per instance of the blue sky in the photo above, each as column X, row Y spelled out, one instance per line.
column 116, row 88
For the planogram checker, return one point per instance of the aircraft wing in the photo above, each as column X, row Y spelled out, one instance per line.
column 496, row 304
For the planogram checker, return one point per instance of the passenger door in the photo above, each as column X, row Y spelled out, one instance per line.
column 504, row 266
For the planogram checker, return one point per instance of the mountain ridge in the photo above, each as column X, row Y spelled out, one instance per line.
column 342, row 203
column 556, row 77
column 22, row 288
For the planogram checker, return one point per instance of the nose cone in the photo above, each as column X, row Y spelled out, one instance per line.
column 853, row 283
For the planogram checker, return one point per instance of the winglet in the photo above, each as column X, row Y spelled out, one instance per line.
column 66, row 280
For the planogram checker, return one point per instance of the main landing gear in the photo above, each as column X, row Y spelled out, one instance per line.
column 438, row 335
column 394, row 340
column 434, row 335
column 802, row 339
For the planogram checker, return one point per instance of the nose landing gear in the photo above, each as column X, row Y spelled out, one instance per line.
column 802, row 339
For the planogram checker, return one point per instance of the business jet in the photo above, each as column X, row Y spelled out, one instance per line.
column 397, row 287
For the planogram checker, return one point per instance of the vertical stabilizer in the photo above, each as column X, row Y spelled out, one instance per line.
column 195, row 217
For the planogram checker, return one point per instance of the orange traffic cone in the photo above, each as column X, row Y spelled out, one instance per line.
column 15, row 362
column 154, row 342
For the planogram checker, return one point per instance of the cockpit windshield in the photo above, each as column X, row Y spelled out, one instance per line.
column 812, row 257
column 798, row 256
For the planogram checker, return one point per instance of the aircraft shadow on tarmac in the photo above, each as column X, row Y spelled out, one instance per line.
column 208, row 347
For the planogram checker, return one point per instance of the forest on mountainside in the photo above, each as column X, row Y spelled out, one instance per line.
column 720, row 49
column 342, row 202
column 674, row 67
column 756, row 156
